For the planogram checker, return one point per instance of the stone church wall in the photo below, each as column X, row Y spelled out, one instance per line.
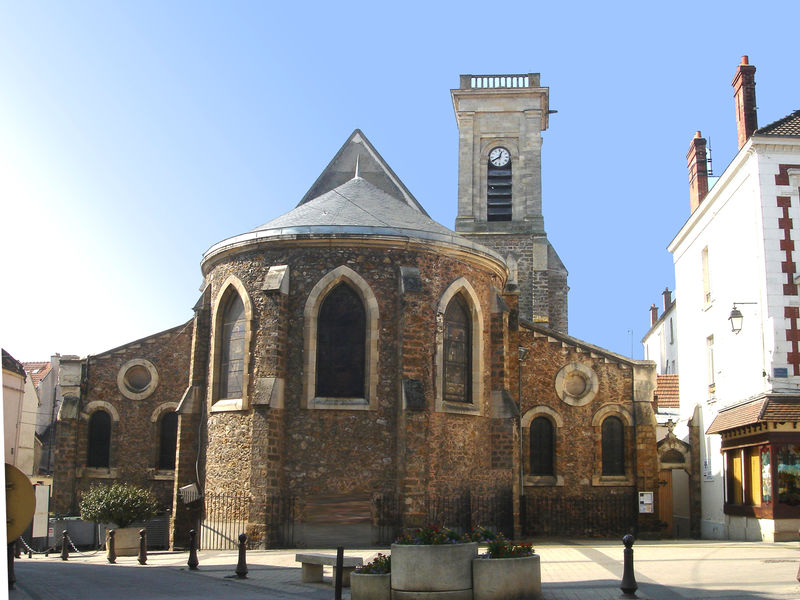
column 578, row 482
column 355, row 454
column 134, row 433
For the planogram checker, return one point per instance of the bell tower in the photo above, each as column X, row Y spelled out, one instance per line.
column 500, row 123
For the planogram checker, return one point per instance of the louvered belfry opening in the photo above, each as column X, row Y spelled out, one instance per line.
column 498, row 193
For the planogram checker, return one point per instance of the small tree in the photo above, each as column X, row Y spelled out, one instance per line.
column 119, row 503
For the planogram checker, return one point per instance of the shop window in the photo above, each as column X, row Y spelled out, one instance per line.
column 788, row 458
column 752, row 468
column 99, row 450
column 341, row 350
column 613, row 446
column 457, row 351
column 168, row 440
column 766, row 475
column 542, row 447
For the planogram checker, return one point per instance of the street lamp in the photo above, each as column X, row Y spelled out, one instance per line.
column 736, row 318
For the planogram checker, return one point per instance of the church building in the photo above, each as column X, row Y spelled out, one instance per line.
column 354, row 367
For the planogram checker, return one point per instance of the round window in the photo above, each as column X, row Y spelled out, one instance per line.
column 576, row 384
column 137, row 379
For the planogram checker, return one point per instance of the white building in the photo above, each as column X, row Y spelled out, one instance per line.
column 19, row 415
column 660, row 341
column 736, row 256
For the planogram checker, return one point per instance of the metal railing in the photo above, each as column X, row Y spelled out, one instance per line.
column 579, row 516
column 499, row 81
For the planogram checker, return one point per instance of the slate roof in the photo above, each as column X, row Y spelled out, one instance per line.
column 780, row 409
column 666, row 394
column 342, row 203
column 356, row 203
column 788, row 125
column 37, row 371
column 12, row 364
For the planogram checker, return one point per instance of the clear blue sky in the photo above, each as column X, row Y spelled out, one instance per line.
column 134, row 135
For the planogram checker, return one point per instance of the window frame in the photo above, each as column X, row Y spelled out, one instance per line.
column 317, row 295
column 461, row 286
column 232, row 285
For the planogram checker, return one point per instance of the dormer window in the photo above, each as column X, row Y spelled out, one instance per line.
column 498, row 182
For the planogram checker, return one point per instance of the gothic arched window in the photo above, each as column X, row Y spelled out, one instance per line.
column 341, row 345
column 613, row 446
column 99, row 450
column 231, row 363
column 457, row 351
column 542, row 446
column 168, row 441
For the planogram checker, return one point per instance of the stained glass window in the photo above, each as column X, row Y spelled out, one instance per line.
column 341, row 345
column 231, row 367
column 613, row 443
column 457, row 352
column 168, row 438
column 99, row 440
column 542, row 446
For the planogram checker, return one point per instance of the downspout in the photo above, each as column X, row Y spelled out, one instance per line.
column 635, row 461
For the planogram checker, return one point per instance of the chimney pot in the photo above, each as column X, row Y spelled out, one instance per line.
column 745, row 60
column 667, row 295
column 653, row 314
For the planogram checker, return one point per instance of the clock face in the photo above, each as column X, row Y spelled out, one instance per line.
column 499, row 157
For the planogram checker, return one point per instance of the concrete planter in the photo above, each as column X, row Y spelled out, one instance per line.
column 436, row 571
column 126, row 541
column 370, row 586
column 507, row 578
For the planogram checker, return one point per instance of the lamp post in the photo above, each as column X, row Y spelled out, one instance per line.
column 736, row 317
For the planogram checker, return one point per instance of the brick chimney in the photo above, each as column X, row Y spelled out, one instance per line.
column 667, row 295
column 698, row 171
column 653, row 314
column 744, row 95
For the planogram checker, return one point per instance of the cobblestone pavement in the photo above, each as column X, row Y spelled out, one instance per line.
column 571, row 570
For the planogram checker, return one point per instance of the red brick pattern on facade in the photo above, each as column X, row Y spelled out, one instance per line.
column 788, row 267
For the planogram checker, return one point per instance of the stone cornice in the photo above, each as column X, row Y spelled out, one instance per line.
column 460, row 248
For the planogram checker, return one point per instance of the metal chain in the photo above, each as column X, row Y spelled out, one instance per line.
column 31, row 550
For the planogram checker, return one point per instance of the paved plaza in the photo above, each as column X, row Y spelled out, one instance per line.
column 571, row 570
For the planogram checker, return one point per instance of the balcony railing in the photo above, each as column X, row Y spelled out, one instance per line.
column 499, row 81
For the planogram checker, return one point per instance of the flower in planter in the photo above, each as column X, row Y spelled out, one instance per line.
column 430, row 535
column 377, row 566
column 500, row 547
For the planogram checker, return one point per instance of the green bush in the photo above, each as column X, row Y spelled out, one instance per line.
column 119, row 503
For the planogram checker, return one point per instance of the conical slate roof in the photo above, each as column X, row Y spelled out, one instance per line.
column 355, row 204
column 342, row 203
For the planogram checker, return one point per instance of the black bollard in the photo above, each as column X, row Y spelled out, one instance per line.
column 17, row 549
column 64, row 545
column 112, row 550
column 241, row 566
column 142, row 547
column 193, row 562
column 338, row 572
column 628, row 585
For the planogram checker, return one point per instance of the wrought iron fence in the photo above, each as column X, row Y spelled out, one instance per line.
column 224, row 519
column 466, row 510
column 600, row 516
column 280, row 515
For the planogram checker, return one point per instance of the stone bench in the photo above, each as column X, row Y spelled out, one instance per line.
column 312, row 566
